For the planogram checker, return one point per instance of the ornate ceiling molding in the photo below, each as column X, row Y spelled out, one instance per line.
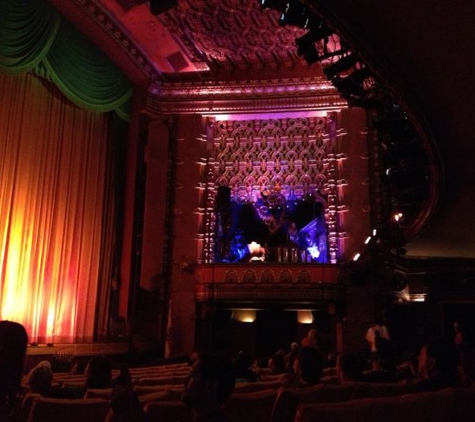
column 244, row 96
column 116, row 33
column 234, row 35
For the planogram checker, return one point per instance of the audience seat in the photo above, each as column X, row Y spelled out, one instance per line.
column 172, row 394
column 154, row 381
column 247, row 387
column 98, row 393
column 68, row 410
column 417, row 407
column 288, row 399
column 250, row 407
column 149, row 389
column 376, row 389
column 168, row 412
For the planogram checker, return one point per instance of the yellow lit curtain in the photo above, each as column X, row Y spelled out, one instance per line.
column 55, row 215
column 58, row 175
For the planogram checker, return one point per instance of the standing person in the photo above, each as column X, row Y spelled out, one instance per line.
column 311, row 339
column 375, row 332
column 209, row 385
column 461, row 344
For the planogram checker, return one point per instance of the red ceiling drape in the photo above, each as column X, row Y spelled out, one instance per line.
column 56, row 218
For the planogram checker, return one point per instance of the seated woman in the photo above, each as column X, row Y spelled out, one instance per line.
column 98, row 374
column 40, row 379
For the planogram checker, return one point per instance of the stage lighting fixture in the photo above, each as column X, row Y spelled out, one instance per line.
column 296, row 14
column 311, row 55
column 366, row 103
column 311, row 37
column 352, row 84
column 273, row 4
column 161, row 6
column 343, row 64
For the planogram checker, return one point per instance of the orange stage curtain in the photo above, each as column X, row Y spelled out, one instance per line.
column 54, row 224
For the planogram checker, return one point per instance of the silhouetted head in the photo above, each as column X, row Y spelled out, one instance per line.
column 350, row 366
column 210, row 383
column 438, row 355
column 309, row 364
column 98, row 373
column 13, row 343
column 40, row 378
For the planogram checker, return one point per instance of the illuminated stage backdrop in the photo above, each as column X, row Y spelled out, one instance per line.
column 53, row 160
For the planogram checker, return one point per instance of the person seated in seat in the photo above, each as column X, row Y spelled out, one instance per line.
column 350, row 366
column 98, row 374
column 276, row 364
column 242, row 368
column 308, row 369
column 209, row 385
column 40, row 380
column 384, row 364
column 438, row 361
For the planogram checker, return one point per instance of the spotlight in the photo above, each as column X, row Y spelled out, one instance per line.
column 366, row 103
column 308, row 40
column 352, row 84
column 273, row 4
column 161, row 6
column 311, row 55
column 343, row 64
column 296, row 14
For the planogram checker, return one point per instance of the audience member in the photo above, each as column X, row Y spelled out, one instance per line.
column 124, row 405
column 462, row 345
column 307, row 369
column 210, row 383
column 311, row 339
column 242, row 368
column 350, row 366
column 98, row 373
column 290, row 357
column 384, row 364
column 276, row 364
column 437, row 367
column 40, row 378
column 13, row 343
column 376, row 331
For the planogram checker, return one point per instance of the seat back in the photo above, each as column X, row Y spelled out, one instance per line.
column 376, row 389
column 162, row 411
column 98, row 393
column 433, row 406
column 68, row 410
column 248, row 387
column 287, row 399
column 250, row 407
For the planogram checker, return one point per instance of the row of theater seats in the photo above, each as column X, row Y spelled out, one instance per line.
column 449, row 405
column 255, row 401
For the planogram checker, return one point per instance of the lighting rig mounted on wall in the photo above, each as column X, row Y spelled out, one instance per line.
column 400, row 153
column 400, row 165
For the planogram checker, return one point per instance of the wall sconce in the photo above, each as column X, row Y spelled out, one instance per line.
column 244, row 315
column 305, row 317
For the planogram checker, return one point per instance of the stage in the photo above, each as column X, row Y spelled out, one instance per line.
column 62, row 356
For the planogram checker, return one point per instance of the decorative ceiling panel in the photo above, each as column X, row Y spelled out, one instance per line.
column 234, row 34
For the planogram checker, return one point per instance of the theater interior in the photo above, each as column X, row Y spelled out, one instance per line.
column 225, row 175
